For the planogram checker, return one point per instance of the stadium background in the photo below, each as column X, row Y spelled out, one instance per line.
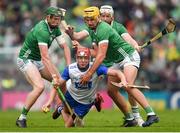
column 160, row 66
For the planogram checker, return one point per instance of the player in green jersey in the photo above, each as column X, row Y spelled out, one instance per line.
column 34, row 60
column 107, row 15
column 113, row 48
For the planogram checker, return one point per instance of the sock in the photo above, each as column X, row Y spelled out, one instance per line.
column 135, row 111
column 149, row 111
column 23, row 114
column 129, row 116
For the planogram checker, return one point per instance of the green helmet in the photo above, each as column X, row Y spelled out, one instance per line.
column 54, row 11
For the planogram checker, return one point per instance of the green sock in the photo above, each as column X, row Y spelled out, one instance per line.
column 24, row 111
column 129, row 116
column 149, row 111
column 135, row 109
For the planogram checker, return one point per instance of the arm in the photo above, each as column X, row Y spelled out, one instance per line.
column 46, row 60
column 62, row 43
column 76, row 35
column 94, row 50
column 101, row 54
column 127, row 37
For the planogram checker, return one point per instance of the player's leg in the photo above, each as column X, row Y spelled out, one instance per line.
column 130, row 72
column 119, row 100
column 33, row 76
column 135, row 110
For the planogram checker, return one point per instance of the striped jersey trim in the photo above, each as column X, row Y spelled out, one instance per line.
column 120, row 50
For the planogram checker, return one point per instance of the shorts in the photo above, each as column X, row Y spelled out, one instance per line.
column 23, row 64
column 133, row 60
column 80, row 109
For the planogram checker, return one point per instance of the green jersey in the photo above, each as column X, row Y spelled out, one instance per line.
column 118, row 27
column 117, row 50
column 42, row 34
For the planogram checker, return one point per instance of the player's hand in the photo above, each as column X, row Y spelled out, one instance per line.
column 76, row 44
column 84, row 79
column 70, row 31
column 124, row 83
column 46, row 108
column 56, row 81
column 138, row 48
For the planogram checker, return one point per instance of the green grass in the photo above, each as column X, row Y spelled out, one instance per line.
column 105, row 121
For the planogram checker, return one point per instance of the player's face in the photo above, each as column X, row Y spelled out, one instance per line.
column 82, row 61
column 106, row 17
column 91, row 22
column 53, row 21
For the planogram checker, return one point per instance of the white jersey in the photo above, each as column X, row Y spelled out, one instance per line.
column 84, row 94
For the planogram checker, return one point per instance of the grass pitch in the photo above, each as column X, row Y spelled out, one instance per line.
column 105, row 121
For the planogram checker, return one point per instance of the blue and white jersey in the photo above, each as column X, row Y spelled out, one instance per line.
column 84, row 94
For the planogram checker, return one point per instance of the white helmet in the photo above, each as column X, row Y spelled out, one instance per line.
column 107, row 9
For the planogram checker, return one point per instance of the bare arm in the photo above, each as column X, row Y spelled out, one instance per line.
column 127, row 37
column 46, row 60
column 62, row 43
column 76, row 35
column 67, row 53
column 101, row 54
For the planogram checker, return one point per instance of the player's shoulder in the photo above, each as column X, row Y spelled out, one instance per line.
column 116, row 23
column 72, row 66
column 103, row 27
column 41, row 27
column 103, row 24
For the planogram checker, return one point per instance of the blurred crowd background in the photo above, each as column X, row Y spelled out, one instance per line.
column 160, row 66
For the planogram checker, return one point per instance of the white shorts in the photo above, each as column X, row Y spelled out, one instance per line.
column 23, row 64
column 133, row 60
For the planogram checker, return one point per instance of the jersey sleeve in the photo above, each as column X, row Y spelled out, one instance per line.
column 65, row 74
column 103, row 33
column 102, row 70
column 120, row 28
column 42, row 36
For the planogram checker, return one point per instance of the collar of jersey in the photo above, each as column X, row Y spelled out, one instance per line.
column 48, row 26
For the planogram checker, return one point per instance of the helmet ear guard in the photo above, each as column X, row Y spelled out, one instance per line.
column 92, row 12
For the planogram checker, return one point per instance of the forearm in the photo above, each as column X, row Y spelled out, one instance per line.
column 129, row 39
column 50, row 66
column 93, row 52
column 52, row 95
column 98, row 60
column 67, row 55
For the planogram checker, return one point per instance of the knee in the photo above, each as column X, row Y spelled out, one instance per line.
column 39, row 88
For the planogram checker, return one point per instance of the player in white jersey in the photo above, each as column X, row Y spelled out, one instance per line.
column 81, row 96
